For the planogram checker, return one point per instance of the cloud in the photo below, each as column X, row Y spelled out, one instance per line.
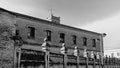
column 111, row 27
column 99, row 15
column 83, row 11
column 27, row 7
column 78, row 11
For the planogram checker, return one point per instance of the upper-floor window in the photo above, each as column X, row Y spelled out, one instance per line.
column 62, row 37
column 48, row 34
column 94, row 42
column 84, row 41
column 74, row 39
column 17, row 32
column 31, row 32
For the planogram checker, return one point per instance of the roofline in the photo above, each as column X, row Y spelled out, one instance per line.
column 38, row 19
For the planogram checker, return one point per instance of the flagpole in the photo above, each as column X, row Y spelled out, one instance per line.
column 76, row 54
column 45, row 48
column 64, row 51
column 93, row 62
column 86, row 57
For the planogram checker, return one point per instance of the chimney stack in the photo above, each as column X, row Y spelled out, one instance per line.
column 55, row 19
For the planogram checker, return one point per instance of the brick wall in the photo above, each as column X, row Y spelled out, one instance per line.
column 6, row 53
column 41, row 26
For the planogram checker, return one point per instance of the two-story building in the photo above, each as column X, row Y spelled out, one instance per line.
column 33, row 31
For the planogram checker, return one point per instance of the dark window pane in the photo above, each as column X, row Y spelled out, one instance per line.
column 62, row 37
column 84, row 41
column 31, row 32
column 94, row 42
column 74, row 39
column 48, row 34
column 17, row 32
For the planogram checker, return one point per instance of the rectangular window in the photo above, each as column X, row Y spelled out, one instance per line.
column 94, row 42
column 31, row 32
column 62, row 37
column 74, row 39
column 84, row 41
column 17, row 32
column 48, row 34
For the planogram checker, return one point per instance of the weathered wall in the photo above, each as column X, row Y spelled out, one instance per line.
column 40, row 27
column 6, row 53
column 6, row 56
column 6, row 47
column 40, row 33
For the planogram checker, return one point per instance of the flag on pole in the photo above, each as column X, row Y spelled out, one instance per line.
column 98, row 56
column 45, row 45
column 85, row 53
column 63, row 49
column 76, row 51
column 92, row 55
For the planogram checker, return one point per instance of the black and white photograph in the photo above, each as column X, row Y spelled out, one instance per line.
column 59, row 34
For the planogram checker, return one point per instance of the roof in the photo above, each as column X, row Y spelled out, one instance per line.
column 46, row 21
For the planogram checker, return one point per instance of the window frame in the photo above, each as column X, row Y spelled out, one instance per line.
column 17, row 32
column 74, row 39
column 84, row 41
column 62, row 37
column 94, row 42
column 49, row 35
column 31, row 32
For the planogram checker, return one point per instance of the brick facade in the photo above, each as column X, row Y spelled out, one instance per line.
column 40, row 33
column 40, row 25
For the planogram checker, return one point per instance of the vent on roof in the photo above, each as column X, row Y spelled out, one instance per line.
column 55, row 19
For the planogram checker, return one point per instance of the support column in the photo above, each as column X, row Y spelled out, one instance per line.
column 15, row 63
column 65, row 61
column 77, row 61
column 94, row 63
column 86, row 62
column 46, row 59
column 99, row 63
column 19, row 57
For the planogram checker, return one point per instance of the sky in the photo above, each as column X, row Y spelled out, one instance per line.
column 102, row 16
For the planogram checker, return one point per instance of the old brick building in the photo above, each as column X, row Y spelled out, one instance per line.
column 34, row 30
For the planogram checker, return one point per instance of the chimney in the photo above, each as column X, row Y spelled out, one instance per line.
column 55, row 19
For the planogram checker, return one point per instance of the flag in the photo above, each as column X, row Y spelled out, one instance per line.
column 92, row 54
column 85, row 53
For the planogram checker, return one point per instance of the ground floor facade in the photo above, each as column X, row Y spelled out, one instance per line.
column 31, row 56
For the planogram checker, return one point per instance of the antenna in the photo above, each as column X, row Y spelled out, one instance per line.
column 51, row 11
column 54, row 19
column 51, row 14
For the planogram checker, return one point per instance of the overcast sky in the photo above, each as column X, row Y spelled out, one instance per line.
column 101, row 16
